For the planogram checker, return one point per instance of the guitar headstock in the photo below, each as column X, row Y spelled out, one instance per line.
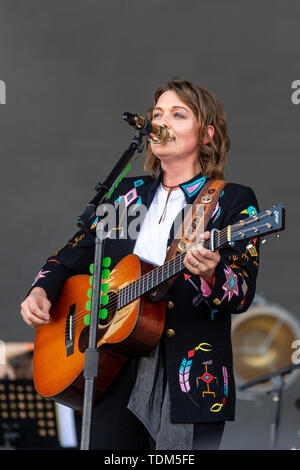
column 262, row 224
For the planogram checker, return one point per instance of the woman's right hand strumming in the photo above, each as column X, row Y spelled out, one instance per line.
column 35, row 308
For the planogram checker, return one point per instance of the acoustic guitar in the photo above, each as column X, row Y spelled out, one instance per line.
column 129, row 323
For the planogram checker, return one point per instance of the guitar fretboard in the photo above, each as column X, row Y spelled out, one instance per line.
column 149, row 281
column 245, row 229
column 153, row 278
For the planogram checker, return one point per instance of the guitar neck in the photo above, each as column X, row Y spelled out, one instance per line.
column 157, row 276
column 255, row 226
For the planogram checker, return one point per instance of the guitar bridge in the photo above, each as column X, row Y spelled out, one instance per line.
column 70, row 328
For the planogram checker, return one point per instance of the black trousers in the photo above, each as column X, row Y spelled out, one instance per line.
column 116, row 428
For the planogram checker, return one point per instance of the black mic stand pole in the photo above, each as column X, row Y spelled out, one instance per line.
column 276, row 393
column 91, row 359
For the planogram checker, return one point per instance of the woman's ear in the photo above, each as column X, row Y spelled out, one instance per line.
column 210, row 132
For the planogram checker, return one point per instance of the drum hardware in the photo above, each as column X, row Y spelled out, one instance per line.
column 262, row 341
column 276, row 395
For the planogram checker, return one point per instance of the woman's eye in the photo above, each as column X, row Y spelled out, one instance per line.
column 158, row 115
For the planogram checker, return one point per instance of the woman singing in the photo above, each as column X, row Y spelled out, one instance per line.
column 180, row 395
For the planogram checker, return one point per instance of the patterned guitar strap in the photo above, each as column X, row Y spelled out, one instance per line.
column 191, row 229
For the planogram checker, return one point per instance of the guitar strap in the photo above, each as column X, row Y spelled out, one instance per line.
column 192, row 227
column 196, row 220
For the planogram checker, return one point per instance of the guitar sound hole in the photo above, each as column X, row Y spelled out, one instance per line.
column 108, row 311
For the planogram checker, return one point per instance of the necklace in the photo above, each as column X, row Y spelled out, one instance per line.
column 170, row 188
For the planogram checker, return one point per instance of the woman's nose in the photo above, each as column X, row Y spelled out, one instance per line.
column 163, row 121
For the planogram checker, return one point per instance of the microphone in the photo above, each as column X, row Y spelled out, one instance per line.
column 155, row 133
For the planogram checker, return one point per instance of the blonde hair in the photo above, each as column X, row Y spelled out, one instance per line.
column 208, row 111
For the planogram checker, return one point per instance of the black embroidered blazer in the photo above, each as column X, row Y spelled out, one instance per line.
column 197, row 337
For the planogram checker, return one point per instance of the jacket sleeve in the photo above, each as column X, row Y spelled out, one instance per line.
column 235, row 277
column 72, row 258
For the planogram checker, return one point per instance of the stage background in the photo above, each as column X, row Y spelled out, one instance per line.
column 72, row 68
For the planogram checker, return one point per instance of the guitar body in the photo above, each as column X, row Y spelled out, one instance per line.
column 133, row 330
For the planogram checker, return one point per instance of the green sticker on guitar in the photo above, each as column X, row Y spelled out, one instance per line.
column 105, row 273
column 106, row 262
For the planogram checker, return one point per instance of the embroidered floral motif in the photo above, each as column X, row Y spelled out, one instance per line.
column 94, row 224
column 76, row 240
column 249, row 211
column 192, row 188
column 252, row 249
column 216, row 212
column 244, row 287
column 40, row 275
column 212, row 313
column 116, row 184
column 130, row 197
column 73, row 243
column 199, row 296
column 231, row 285
column 206, row 377
column 138, row 183
column 225, row 380
column 240, row 306
column 184, row 374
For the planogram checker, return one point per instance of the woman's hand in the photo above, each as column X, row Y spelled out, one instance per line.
column 35, row 308
column 201, row 261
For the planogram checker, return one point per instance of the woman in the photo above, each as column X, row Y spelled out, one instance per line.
column 180, row 395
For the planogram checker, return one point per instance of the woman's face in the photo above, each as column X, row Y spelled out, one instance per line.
column 179, row 119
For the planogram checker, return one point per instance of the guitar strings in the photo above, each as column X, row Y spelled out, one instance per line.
column 123, row 293
column 126, row 291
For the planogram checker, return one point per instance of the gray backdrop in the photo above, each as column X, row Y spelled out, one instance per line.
column 73, row 67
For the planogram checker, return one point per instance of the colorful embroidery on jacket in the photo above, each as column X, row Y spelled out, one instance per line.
column 207, row 383
column 231, row 285
column 40, row 275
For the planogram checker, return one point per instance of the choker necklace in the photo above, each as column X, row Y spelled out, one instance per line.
column 170, row 188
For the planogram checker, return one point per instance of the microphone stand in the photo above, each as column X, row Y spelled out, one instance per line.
column 276, row 393
column 91, row 359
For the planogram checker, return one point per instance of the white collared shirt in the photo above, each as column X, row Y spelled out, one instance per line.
column 151, row 243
